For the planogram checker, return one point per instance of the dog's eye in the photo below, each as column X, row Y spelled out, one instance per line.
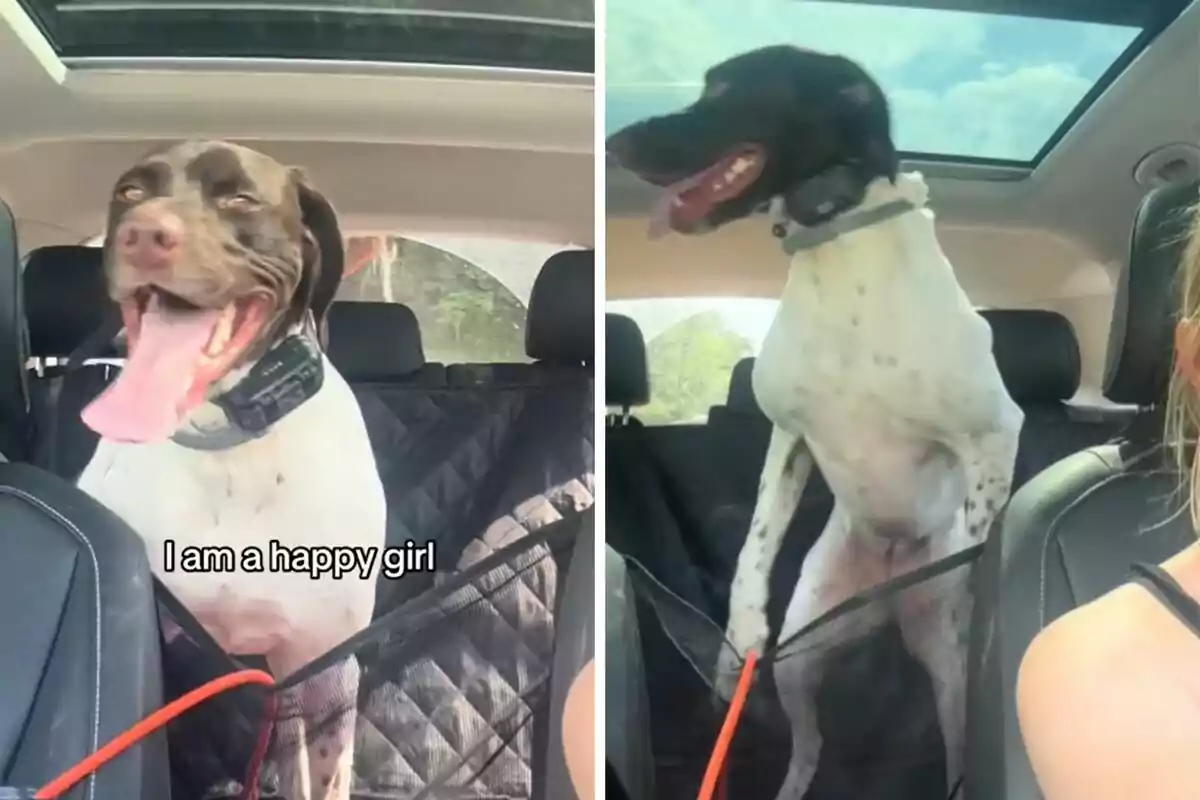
column 243, row 202
column 131, row 194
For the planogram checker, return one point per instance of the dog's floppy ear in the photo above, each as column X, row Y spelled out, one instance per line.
column 866, row 125
column 324, row 255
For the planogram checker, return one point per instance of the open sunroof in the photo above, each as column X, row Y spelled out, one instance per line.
column 530, row 34
column 992, row 81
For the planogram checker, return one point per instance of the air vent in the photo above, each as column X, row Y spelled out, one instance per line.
column 1173, row 163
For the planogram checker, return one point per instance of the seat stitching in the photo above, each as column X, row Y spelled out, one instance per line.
column 27, row 497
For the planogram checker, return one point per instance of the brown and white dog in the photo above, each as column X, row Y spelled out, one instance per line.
column 228, row 427
column 876, row 368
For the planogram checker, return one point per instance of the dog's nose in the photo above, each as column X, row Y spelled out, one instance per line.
column 150, row 241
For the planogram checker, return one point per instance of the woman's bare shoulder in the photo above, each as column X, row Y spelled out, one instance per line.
column 1102, row 710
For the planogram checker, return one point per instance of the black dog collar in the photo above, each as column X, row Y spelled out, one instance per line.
column 287, row 375
column 808, row 238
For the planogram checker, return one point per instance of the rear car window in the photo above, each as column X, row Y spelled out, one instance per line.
column 470, row 294
column 692, row 345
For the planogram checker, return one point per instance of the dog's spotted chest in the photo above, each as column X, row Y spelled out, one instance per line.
column 866, row 359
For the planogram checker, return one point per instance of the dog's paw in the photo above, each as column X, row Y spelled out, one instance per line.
column 748, row 630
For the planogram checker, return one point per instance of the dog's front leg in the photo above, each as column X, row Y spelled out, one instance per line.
column 315, row 734
column 831, row 573
column 331, row 739
column 785, row 472
column 934, row 621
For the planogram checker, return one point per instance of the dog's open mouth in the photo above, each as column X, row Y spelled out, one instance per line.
column 686, row 202
column 177, row 350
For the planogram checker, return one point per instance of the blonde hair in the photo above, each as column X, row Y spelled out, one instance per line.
column 1183, row 399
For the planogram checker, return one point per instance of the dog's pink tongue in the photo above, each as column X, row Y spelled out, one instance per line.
column 148, row 400
column 675, row 204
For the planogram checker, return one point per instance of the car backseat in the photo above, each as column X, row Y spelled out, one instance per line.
column 460, row 446
column 478, row 464
column 475, row 467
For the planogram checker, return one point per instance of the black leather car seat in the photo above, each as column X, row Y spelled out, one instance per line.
column 14, row 395
column 1070, row 534
column 80, row 661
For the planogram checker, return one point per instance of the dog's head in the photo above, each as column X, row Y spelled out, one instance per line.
column 768, row 122
column 214, row 252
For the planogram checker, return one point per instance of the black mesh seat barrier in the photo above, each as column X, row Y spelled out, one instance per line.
column 875, row 703
column 453, row 692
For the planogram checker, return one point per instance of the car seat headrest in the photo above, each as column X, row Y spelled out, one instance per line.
column 560, row 324
column 1146, row 302
column 66, row 299
column 627, row 378
column 374, row 341
column 1037, row 354
column 741, row 397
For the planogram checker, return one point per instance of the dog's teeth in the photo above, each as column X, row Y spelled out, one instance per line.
column 222, row 332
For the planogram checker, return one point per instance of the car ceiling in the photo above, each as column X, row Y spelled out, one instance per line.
column 396, row 147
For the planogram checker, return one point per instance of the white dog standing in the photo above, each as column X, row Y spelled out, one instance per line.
column 876, row 367
column 228, row 428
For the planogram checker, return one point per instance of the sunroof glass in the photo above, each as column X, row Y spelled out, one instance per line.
column 963, row 85
column 530, row 34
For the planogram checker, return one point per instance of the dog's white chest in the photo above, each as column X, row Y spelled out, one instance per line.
column 294, row 486
column 860, row 331
column 874, row 353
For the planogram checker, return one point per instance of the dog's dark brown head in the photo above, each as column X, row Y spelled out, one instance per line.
column 214, row 252
column 768, row 122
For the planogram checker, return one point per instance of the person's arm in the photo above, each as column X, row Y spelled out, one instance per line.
column 1099, row 717
column 579, row 732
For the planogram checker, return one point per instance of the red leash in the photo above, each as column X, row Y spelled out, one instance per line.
column 163, row 716
column 716, row 762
